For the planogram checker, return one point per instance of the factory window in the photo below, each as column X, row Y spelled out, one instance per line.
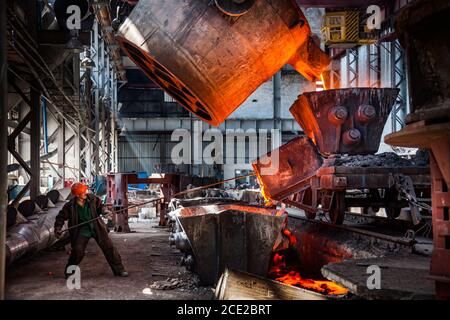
column 168, row 98
column 446, row 217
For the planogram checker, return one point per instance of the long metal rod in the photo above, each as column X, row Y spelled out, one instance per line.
column 3, row 143
column 44, row 124
column 162, row 198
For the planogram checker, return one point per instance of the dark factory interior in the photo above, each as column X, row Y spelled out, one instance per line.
column 225, row 150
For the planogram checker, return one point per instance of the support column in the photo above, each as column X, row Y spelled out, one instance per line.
column 103, row 140
column 3, row 143
column 62, row 150
column 277, row 99
column 440, row 198
column 35, row 140
column 96, row 101
column 352, row 67
column 398, row 80
column 162, row 152
column 97, row 135
column 374, row 63
column 77, row 148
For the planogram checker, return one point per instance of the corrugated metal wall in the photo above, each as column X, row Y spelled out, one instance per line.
column 143, row 153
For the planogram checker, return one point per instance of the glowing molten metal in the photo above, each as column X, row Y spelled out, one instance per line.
column 291, row 276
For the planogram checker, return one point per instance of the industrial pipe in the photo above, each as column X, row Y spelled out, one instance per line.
column 104, row 18
column 26, row 239
column 44, row 124
column 3, row 143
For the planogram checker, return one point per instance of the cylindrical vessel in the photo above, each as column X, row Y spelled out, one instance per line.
column 423, row 32
column 54, row 196
column 28, row 208
column 208, row 61
column 26, row 239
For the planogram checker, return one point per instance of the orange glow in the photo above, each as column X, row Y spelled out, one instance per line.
column 292, row 238
column 323, row 82
column 267, row 200
column 291, row 276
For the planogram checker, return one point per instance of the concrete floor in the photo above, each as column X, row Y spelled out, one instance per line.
column 146, row 255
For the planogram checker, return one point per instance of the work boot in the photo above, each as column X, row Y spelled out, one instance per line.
column 122, row 274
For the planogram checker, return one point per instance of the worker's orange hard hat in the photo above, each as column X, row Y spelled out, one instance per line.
column 79, row 189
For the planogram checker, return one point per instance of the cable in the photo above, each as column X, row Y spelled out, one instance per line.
column 161, row 198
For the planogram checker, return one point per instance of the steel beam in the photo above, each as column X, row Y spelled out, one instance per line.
column 96, row 100
column 21, row 194
column 398, row 80
column 374, row 63
column 277, row 98
column 20, row 127
column 62, row 150
column 3, row 143
column 78, row 152
column 352, row 67
column 35, row 141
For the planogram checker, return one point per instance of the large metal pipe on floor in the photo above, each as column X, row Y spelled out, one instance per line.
column 26, row 239
column 3, row 143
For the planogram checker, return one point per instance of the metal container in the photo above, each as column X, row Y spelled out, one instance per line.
column 227, row 236
column 423, row 32
column 345, row 121
column 285, row 171
column 211, row 62
column 236, row 285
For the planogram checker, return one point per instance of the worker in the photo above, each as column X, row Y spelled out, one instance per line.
column 84, row 207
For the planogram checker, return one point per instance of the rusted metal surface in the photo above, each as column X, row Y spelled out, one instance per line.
column 211, row 62
column 284, row 171
column 422, row 28
column 440, row 260
column 423, row 32
column 306, row 180
column 405, row 277
column 236, row 285
column 345, row 121
column 239, row 239
column 330, row 184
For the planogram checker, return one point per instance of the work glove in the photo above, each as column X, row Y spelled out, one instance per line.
column 58, row 234
column 108, row 215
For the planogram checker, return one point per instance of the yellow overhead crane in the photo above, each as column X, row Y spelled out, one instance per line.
column 344, row 29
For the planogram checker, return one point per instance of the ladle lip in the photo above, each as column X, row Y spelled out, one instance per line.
column 171, row 84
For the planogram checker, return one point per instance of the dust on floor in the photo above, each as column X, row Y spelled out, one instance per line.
column 154, row 268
